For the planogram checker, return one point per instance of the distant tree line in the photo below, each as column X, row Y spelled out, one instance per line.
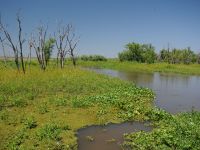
column 145, row 53
column 41, row 42
column 177, row 56
column 93, row 58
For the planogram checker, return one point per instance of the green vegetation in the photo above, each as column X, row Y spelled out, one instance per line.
column 44, row 109
column 177, row 56
column 93, row 58
column 170, row 132
column 138, row 52
column 48, row 48
column 145, row 53
column 180, row 132
column 192, row 69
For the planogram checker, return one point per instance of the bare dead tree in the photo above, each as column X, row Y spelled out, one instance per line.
column 21, row 41
column 10, row 43
column 39, row 44
column 43, row 46
column 3, row 48
column 72, row 42
column 61, row 44
column 30, row 54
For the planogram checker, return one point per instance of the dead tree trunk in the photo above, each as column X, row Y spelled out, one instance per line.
column 61, row 44
column 21, row 44
column 72, row 42
column 39, row 46
column 11, row 44
column 43, row 47
column 4, row 53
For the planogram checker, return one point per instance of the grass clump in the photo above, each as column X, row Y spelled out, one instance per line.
column 30, row 122
column 49, row 131
column 43, row 108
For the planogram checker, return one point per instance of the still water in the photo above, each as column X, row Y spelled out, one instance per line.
column 174, row 93
column 107, row 137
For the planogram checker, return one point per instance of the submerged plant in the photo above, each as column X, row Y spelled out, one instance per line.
column 90, row 138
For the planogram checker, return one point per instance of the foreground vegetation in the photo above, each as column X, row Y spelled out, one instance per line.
column 43, row 110
column 192, row 69
column 181, row 132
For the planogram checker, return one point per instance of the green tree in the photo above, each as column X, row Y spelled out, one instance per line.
column 188, row 56
column 138, row 52
column 164, row 55
column 148, row 53
column 48, row 48
column 198, row 58
column 131, row 53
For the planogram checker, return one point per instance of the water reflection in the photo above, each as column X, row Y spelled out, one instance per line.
column 174, row 92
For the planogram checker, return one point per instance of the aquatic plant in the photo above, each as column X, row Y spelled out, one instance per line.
column 172, row 132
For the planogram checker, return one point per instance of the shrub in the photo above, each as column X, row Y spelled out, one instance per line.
column 93, row 58
column 138, row 52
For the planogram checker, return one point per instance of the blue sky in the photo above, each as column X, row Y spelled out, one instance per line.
column 105, row 26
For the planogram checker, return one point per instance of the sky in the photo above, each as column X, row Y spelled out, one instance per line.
column 106, row 26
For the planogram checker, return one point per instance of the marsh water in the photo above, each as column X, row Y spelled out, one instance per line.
column 174, row 93
column 107, row 137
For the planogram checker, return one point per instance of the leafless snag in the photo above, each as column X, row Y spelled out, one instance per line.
column 10, row 43
column 66, row 43
column 42, row 46
column 21, row 41
column 3, row 48
column 72, row 42
column 61, row 44
column 30, row 52
column 39, row 44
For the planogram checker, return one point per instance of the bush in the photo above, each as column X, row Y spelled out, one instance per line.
column 138, row 52
column 93, row 58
